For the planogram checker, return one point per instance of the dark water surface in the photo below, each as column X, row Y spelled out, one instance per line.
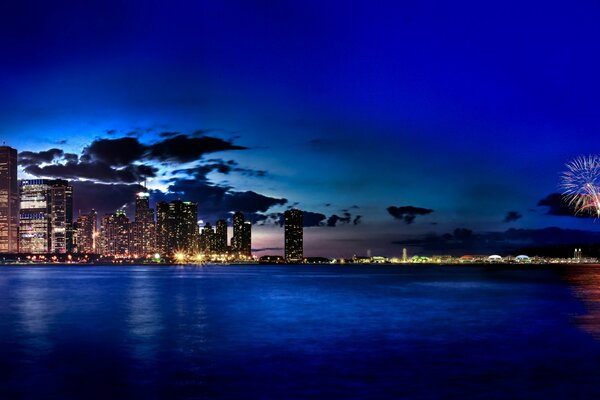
column 270, row 332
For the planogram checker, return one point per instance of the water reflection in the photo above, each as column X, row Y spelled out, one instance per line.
column 144, row 321
column 585, row 281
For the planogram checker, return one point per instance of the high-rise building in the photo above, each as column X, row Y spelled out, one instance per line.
column 207, row 239
column 221, row 236
column 246, row 241
column 46, row 216
column 238, row 227
column 86, row 232
column 294, row 241
column 9, row 201
column 114, row 234
column 176, row 227
column 143, row 229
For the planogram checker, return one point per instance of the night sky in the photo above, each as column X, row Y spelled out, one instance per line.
column 428, row 125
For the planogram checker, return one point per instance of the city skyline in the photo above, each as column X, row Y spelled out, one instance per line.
column 338, row 111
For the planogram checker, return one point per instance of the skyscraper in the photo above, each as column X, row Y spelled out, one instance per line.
column 246, row 242
column 294, row 241
column 238, row 227
column 221, row 236
column 176, row 227
column 9, row 201
column 114, row 234
column 143, row 229
column 46, row 216
column 86, row 232
column 241, row 242
column 207, row 239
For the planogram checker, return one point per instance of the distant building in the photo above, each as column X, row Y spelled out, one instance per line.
column 143, row 228
column 176, row 227
column 86, row 231
column 46, row 216
column 221, row 236
column 294, row 235
column 114, row 234
column 9, row 201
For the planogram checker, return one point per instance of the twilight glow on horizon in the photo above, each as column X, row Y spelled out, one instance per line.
column 391, row 125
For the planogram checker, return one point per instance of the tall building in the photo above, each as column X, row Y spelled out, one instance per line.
column 176, row 227
column 246, row 240
column 238, row 227
column 221, row 236
column 207, row 239
column 86, row 232
column 9, row 201
column 114, row 234
column 294, row 235
column 46, row 216
column 143, row 229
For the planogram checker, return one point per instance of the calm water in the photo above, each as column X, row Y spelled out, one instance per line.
column 299, row 332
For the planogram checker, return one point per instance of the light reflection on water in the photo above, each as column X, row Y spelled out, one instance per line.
column 585, row 281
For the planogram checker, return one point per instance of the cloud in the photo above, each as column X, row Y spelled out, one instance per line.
column 219, row 201
column 357, row 220
column 115, row 152
column 512, row 216
column 182, row 148
column 335, row 219
column 96, row 171
column 311, row 219
column 104, row 198
column 557, row 206
column 27, row 158
column 407, row 213
column 224, row 167
column 174, row 147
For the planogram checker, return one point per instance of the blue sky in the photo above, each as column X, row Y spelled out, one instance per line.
column 469, row 109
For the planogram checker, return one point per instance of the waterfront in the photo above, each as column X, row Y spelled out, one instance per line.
column 299, row 332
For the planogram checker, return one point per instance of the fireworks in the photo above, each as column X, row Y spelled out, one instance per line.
column 581, row 185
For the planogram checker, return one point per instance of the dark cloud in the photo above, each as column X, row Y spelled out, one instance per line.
column 174, row 147
column 104, row 198
column 512, row 216
column 96, row 171
column 558, row 206
column 357, row 220
column 335, row 219
column 407, row 213
column 310, row 219
column 27, row 158
column 221, row 166
column 182, row 148
column 219, row 201
column 115, row 152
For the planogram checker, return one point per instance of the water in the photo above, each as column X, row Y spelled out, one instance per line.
column 271, row 332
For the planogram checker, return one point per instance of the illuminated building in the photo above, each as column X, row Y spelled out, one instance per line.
column 221, row 236
column 114, row 234
column 207, row 239
column 294, row 232
column 246, row 243
column 9, row 201
column 241, row 242
column 143, row 230
column 176, row 227
column 85, row 232
column 46, row 216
